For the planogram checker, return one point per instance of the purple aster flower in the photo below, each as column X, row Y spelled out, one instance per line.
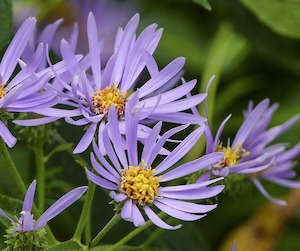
column 251, row 154
column 25, row 91
column 26, row 223
column 107, row 23
column 139, row 184
column 93, row 89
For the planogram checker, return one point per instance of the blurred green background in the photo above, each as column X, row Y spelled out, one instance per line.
column 253, row 49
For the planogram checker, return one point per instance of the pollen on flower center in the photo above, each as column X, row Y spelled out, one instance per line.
column 140, row 184
column 110, row 95
column 232, row 155
column 2, row 91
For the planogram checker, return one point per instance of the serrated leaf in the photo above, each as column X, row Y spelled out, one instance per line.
column 12, row 207
column 204, row 3
column 283, row 17
column 66, row 246
column 5, row 22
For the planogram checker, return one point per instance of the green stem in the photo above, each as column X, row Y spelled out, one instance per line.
column 88, row 228
column 15, row 173
column 129, row 236
column 85, row 211
column 40, row 167
column 154, row 235
column 12, row 167
column 114, row 220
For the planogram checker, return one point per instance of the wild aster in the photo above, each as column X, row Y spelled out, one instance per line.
column 116, row 83
column 140, row 186
column 250, row 152
column 26, row 222
column 25, row 91
column 107, row 23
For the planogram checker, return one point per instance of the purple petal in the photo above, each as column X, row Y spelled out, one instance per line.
column 35, row 122
column 116, row 137
column 28, row 221
column 127, row 38
column 250, row 122
column 180, row 105
column 107, row 175
column 28, row 200
column 137, row 217
column 86, row 139
column 126, row 212
column 177, row 117
column 100, row 181
column 162, row 77
column 62, row 203
column 180, row 150
column 290, row 154
column 16, row 48
column 157, row 221
column 266, row 194
column 94, row 50
column 5, row 215
column 219, row 133
column 193, row 186
column 118, row 197
column 177, row 213
column 186, row 206
column 150, row 142
column 283, row 182
column 41, row 222
column 29, row 69
column 131, row 124
column 193, row 166
column 104, row 162
column 157, row 148
column 7, row 137
column 194, row 194
column 109, row 149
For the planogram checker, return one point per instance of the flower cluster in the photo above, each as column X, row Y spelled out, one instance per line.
column 134, row 113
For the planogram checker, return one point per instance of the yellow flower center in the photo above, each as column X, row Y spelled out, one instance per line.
column 232, row 155
column 2, row 91
column 110, row 95
column 140, row 184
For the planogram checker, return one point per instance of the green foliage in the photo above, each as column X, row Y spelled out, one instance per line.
column 127, row 248
column 65, row 246
column 29, row 241
column 205, row 4
column 282, row 16
column 12, row 207
column 5, row 22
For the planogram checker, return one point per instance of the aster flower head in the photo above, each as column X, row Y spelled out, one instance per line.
column 250, row 152
column 107, row 23
column 94, row 89
column 26, row 223
column 25, row 91
column 140, row 185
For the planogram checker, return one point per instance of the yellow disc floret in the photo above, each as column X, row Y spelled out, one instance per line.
column 2, row 91
column 110, row 95
column 140, row 184
column 232, row 155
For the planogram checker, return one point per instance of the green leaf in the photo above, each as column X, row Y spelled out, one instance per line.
column 66, row 246
column 5, row 22
column 282, row 16
column 12, row 207
column 127, row 248
column 59, row 148
column 204, row 3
